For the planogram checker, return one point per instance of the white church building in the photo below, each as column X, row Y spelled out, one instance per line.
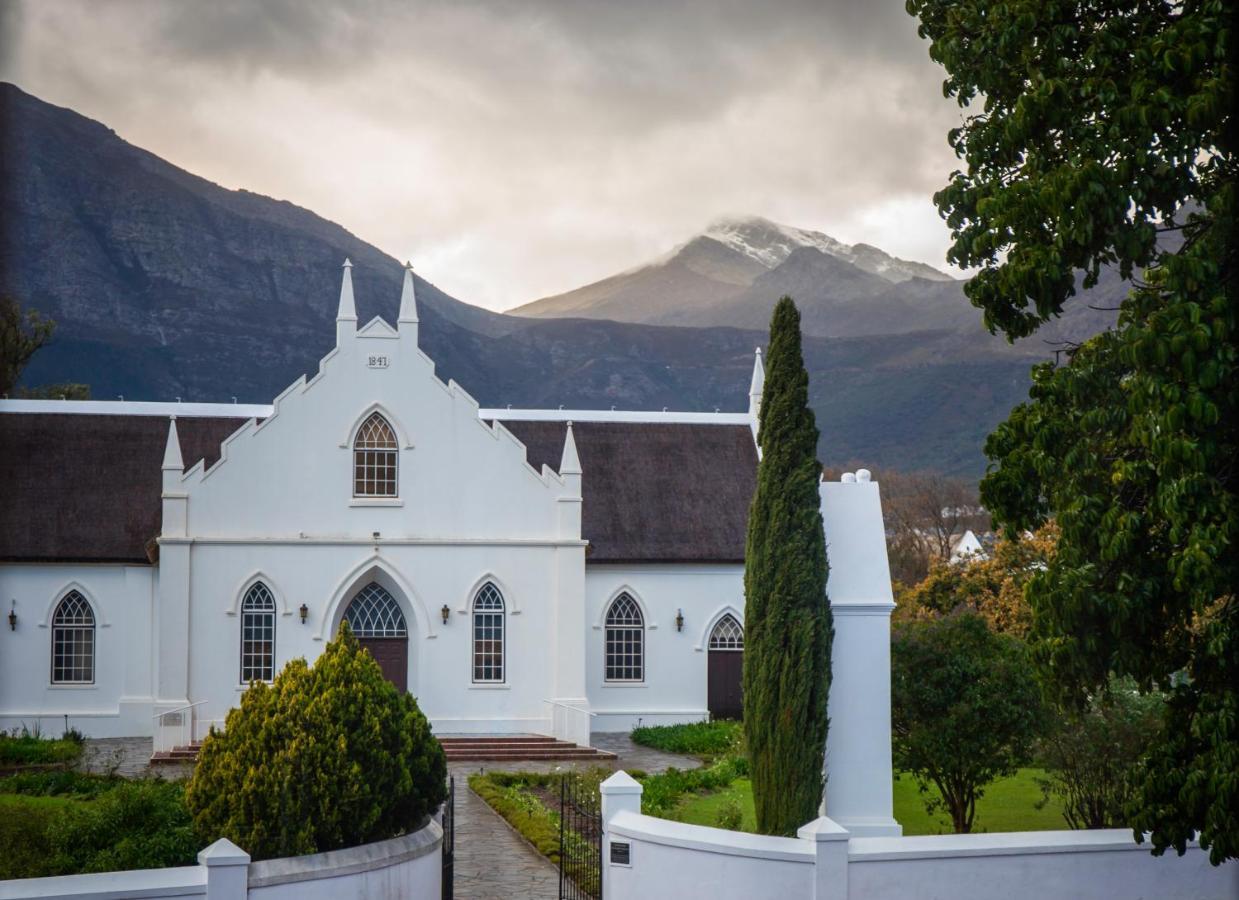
column 519, row 571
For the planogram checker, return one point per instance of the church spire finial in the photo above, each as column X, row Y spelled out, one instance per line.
column 757, row 385
column 347, row 311
column 408, row 298
column 172, row 459
column 569, row 463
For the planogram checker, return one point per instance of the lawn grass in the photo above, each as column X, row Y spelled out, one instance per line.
column 52, row 804
column 1008, row 805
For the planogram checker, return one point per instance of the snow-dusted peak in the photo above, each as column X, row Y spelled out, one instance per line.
column 770, row 243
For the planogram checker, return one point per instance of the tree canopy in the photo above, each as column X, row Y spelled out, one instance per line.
column 20, row 336
column 1100, row 135
column 787, row 622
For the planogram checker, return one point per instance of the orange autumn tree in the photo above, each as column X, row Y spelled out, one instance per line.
column 992, row 586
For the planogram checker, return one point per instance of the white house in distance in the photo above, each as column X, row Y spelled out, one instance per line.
column 519, row 571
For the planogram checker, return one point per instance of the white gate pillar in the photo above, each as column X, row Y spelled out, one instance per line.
column 859, row 776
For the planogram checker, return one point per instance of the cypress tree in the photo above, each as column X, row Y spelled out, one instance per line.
column 788, row 627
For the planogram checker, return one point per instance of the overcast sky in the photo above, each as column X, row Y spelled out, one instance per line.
column 519, row 149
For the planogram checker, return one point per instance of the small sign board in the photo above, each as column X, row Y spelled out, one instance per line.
column 621, row 853
column 377, row 362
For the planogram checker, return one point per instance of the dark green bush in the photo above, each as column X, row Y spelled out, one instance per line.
column 135, row 825
column 1093, row 757
column 663, row 791
column 25, row 848
column 59, row 783
column 698, row 738
column 325, row 757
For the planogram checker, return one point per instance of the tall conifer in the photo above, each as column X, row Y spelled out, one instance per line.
column 788, row 627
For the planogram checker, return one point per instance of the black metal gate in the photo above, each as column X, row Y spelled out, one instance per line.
column 449, row 838
column 580, row 839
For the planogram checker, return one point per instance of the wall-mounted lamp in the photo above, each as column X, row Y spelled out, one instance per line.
column 445, row 612
column 679, row 620
column 375, row 535
column 13, row 617
column 305, row 613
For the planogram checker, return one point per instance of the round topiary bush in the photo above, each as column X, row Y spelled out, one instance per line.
column 327, row 756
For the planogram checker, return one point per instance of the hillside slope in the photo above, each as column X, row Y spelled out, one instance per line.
column 165, row 285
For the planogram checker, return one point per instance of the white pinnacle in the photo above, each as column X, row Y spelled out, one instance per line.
column 347, row 310
column 570, row 463
column 408, row 297
column 172, row 451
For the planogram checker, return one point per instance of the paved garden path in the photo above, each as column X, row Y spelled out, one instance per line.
column 493, row 862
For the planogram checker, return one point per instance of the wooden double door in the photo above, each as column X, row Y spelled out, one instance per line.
column 392, row 655
column 725, row 696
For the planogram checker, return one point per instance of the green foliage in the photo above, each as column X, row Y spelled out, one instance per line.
column 135, row 825
column 663, row 792
column 1092, row 756
column 59, row 783
column 22, row 748
column 63, row 823
column 698, row 738
column 20, row 337
column 325, row 757
column 60, row 390
column 730, row 815
column 965, row 709
column 788, row 629
column 1102, row 126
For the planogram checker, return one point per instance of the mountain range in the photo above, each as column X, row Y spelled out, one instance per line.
column 165, row 285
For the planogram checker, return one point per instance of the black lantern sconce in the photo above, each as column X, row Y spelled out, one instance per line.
column 445, row 612
column 305, row 613
column 13, row 617
column 679, row 620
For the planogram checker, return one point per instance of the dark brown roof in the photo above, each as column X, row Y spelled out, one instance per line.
column 86, row 488
column 656, row 492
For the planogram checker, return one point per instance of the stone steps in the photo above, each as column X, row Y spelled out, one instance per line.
column 516, row 747
column 181, row 754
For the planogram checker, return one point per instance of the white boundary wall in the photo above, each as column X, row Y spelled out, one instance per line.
column 410, row 866
column 824, row 862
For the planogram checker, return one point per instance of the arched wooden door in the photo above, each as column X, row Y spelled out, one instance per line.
column 377, row 621
column 725, row 669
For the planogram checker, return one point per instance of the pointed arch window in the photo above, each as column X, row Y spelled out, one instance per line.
column 73, row 641
column 488, row 635
column 625, row 650
column 728, row 634
column 258, row 634
column 374, row 613
column 374, row 459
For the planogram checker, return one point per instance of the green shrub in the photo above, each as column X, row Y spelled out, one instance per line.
column 325, row 757
column 661, row 793
column 698, row 738
column 58, row 783
column 22, row 747
column 730, row 815
column 25, row 849
column 1092, row 757
column 135, row 825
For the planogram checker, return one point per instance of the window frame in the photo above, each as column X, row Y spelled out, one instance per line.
column 251, row 614
column 72, row 629
column 376, row 460
column 494, row 617
column 620, row 638
column 729, row 642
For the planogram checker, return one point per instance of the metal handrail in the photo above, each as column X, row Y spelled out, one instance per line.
column 186, row 720
column 569, row 706
column 168, row 712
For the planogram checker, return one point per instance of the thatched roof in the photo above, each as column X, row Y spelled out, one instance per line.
column 654, row 492
column 86, row 488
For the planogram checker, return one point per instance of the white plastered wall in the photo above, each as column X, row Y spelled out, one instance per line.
column 118, row 702
column 674, row 689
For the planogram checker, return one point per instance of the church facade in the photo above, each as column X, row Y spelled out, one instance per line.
column 519, row 571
